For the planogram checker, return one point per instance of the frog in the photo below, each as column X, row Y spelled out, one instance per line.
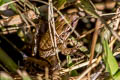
column 45, row 50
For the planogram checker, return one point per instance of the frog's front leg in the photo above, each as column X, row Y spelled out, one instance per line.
column 71, row 46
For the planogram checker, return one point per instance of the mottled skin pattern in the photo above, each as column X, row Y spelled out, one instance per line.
column 45, row 48
column 62, row 30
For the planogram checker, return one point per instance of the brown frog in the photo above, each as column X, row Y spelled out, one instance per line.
column 45, row 48
column 62, row 29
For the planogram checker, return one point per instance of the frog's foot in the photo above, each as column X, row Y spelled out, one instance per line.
column 35, row 65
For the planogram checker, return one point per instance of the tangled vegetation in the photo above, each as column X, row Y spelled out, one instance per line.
column 59, row 40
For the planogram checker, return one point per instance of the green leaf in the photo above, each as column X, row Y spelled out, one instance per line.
column 1, row 2
column 117, row 76
column 5, row 76
column 12, row 6
column 87, row 6
column 25, row 76
column 110, row 61
column 60, row 4
column 69, row 63
column 7, row 61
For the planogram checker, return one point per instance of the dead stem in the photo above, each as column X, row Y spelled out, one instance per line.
column 90, row 68
column 94, row 40
column 51, row 23
column 47, row 73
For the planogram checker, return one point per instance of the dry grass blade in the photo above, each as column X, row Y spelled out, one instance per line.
column 23, row 18
column 51, row 23
column 76, row 67
column 90, row 68
column 58, row 44
column 17, row 19
column 94, row 40
column 9, row 30
column 46, row 73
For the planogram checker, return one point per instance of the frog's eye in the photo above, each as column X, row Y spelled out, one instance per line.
column 69, row 46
